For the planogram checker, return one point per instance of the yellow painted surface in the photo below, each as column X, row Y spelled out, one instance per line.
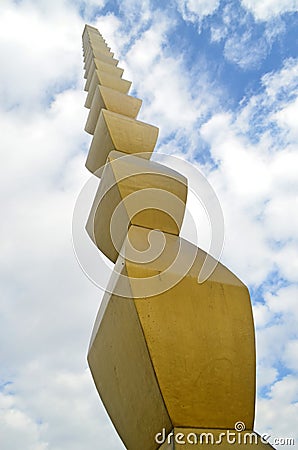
column 200, row 336
column 99, row 47
column 94, row 39
column 102, row 57
column 107, row 98
column 104, row 67
column 105, row 79
column 88, row 31
column 90, row 39
column 154, row 189
column 123, row 374
column 117, row 132
column 89, row 28
column 94, row 53
column 89, row 43
column 190, row 438
column 90, row 35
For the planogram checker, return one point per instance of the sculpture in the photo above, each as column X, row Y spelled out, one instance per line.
column 173, row 360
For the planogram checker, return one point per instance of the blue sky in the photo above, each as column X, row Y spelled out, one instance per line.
column 220, row 80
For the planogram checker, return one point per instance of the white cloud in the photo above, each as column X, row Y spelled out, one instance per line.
column 136, row 11
column 242, row 182
column 195, row 10
column 266, row 375
column 267, row 9
column 244, row 51
column 282, row 82
column 277, row 345
column 53, row 410
column 89, row 8
column 274, row 28
column 277, row 322
column 271, row 412
column 18, row 430
column 263, row 186
column 218, row 33
column 285, row 118
column 165, row 84
column 39, row 58
column 290, row 356
column 245, row 44
column 147, row 49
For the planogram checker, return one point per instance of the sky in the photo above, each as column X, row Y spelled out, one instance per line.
column 220, row 80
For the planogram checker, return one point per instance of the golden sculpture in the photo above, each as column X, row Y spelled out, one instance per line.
column 173, row 360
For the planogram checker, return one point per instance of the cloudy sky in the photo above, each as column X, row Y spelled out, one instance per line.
column 220, row 79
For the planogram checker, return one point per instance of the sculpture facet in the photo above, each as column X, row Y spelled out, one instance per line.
column 115, row 101
column 124, row 376
column 200, row 338
column 117, row 132
column 96, row 64
column 103, row 78
column 158, row 203
column 101, row 57
column 101, row 50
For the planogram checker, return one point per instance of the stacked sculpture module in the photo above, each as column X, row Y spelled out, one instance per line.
column 171, row 358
